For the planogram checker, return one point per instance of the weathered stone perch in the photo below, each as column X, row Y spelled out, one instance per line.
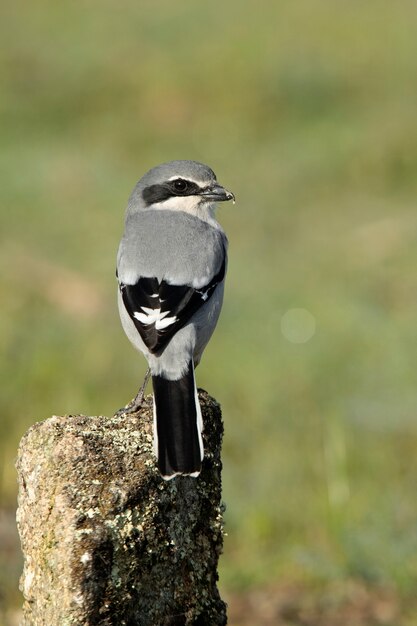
column 105, row 539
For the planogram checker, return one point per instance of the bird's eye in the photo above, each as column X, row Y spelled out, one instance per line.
column 180, row 185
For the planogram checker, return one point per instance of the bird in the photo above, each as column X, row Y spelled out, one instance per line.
column 171, row 267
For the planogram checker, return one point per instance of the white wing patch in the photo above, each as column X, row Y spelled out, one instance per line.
column 203, row 294
column 154, row 316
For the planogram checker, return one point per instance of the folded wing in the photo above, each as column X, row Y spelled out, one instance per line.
column 159, row 309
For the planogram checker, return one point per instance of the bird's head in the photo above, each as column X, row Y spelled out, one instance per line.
column 179, row 185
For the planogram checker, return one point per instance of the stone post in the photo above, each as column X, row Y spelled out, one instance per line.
column 106, row 541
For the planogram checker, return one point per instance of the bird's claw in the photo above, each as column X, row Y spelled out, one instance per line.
column 134, row 405
column 131, row 407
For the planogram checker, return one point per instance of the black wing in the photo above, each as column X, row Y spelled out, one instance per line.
column 159, row 309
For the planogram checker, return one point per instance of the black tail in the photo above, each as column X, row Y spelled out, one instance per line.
column 177, row 425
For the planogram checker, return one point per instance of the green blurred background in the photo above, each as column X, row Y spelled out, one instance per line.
column 307, row 111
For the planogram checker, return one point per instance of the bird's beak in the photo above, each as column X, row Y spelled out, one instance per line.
column 217, row 193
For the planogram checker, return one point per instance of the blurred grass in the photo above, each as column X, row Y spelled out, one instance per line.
column 307, row 112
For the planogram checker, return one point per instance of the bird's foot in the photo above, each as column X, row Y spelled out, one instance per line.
column 131, row 407
column 134, row 405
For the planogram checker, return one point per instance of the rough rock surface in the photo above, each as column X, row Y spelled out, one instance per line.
column 107, row 541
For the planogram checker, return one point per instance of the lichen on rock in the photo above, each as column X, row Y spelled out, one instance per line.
column 105, row 539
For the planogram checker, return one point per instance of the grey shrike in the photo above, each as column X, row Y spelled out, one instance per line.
column 171, row 267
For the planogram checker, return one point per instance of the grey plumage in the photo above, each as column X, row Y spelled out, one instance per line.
column 171, row 266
